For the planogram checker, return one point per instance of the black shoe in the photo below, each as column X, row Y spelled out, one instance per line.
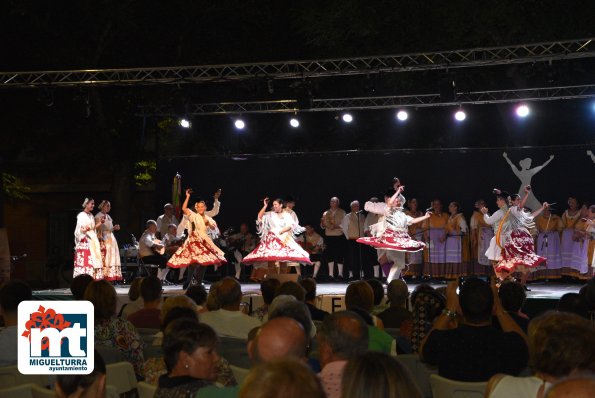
column 165, row 282
column 526, row 288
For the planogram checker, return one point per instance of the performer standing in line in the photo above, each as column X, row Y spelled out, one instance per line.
column 333, row 237
column 392, row 234
column 435, row 234
column 110, row 253
column 549, row 226
column 570, row 218
column 198, row 249
column 457, row 242
column 481, row 235
column 87, row 252
column 416, row 232
column 277, row 230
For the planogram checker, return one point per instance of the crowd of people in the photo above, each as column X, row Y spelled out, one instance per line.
column 393, row 240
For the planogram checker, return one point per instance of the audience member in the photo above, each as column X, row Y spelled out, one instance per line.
column 378, row 290
column 90, row 385
column 579, row 386
column 149, row 315
column 573, row 303
column 135, row 300
column 427, row 305
column 309, row 285
column 342, row 336
column 12, row 293
column 287, row 306
column 397, row 312
column 279, row 338
column 190, row 354
column 292, row 288
column 287, row 378
column 198, row 294
column 377, row 375
column 268, row 287
column 212, row 302
column 229, row 320
column 79, row 284
column 560, row 345
column 512, row 296
column 111, row 331
column 475, row 350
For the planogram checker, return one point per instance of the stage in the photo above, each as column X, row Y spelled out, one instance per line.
column 543, row 295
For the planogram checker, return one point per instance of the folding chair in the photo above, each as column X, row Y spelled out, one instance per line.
column 446, row 388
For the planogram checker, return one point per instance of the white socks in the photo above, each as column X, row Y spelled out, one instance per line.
column 376, row 271
column 162, row 273
column 331, row 269
column 340, row 269
column 316, row 268
column 238, row 270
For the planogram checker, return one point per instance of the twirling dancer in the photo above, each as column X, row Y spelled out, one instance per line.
column 277, row 244
column 391, row 234
column 198, row 249
column 87, row 254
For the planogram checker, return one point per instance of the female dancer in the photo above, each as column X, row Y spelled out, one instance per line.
column 457, row 242
column 277, row 230
column 568, row 247
column 494, row 252
column 87, row 255
column 392, row 235
column 549, row 226
column 198, row 249
column 112, row 270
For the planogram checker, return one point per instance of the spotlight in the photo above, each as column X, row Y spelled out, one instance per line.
column 460, row 115
column 347, row 118
column 402, row 115
column 522, row 111
column 184, row 123
column 294, row 122
column 239, row 124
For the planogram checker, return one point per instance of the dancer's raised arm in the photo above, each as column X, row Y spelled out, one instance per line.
column 185, row 208
column 264, row 208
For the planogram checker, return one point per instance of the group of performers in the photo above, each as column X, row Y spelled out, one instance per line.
column 398, row 237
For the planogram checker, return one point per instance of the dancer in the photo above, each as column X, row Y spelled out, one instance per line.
column 494, row 253
column 277, row 230
column 198, row 249
column 110, row 253
column 516, row 242
column 370, row 256
column 87, row 252
column 392, row 234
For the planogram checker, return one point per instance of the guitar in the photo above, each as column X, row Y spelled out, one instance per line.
column 158, row 250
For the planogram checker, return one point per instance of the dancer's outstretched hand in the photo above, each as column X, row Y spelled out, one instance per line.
column 188, row 191
column 484, row 210
column 265, row 202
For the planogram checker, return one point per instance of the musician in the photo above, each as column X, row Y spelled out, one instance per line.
column 165, row 220
column 242, row 243
column 314, row 245
column 171, row 240
column 151, row 249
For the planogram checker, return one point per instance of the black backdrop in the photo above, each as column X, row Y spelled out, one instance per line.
column 462, row 175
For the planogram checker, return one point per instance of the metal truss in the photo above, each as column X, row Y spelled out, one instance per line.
column 487, row 56
column 401, row 101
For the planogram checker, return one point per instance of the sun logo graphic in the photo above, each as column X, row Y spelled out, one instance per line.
column 56, row 337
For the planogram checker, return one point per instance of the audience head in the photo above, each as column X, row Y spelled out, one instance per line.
column 268, row 287
column 79, row 284
column 476, row 300
column 588, row 294
column 151, row 289
column 212, row 300
column 561, row 343
column 292, row 288
column 151, row 226
column 134, row 290
column 377, row 289
column 427, row 305
column 579, row 386
column 229, row 294
column 512, row 296
column 190, row 349
column 309, row 285
column 573, row 303
column 295, row 310
column 359, row 295
column 342, row 335
column 91, row 385
column 12, row 293
column 281, row 379
column 178, row 313
column 176, row 302
column 168, row 208
column 397, row 293
column 198, row 294
column 377, row 375
column 279, row 338
column 103, row 296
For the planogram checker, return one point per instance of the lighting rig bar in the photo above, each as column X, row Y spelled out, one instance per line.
column 485, row 56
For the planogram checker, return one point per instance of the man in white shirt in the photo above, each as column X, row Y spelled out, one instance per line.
column 229, row 321
column 242, row 243
column 353, row 228
column 151, row 250
column 333, row 236
column 164, row 220
column 369, row 252
column 12, row 294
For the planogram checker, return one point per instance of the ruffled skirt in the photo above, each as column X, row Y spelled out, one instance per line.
column 393, row 240
column 518, row 254
column 197, row 250
column 273, row 248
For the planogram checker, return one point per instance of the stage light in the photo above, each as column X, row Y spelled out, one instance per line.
column 522, row 110
column 402, row 115
column 294, row 122
column 239, row 124
column 184, row 123
column 460, row 115
column 347, row 118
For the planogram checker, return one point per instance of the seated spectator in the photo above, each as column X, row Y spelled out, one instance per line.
column 579, row 386
column 149, row 315
column 342, row 336
column 198, row 294
column 281, row 379
column 573, row 303
column 229, row 320
column 79, row 284
column 287, row 306
column 377, row 375
column 111, row 331
column 359, row 298
column 512, row 296
column 397, row 313
column 309, row 285
column 91, row 385
column 190, row 354
column 212, row 302
column 12, row 293
column 291, row 288
column 378, row 290
column 136, row 301
column 268, row 287
column 427, row 306
column 560, row 344
column 475, row 350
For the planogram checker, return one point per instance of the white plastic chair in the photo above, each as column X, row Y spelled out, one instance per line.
column 121, row 376
column 239, row 373
column 446, row 388
column 27, row 391
column 146, row 390
column 420, row 371
column 10, row 376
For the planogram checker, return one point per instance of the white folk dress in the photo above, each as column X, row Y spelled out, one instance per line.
column 110, row 253
column 87, row 252
column 393, row 233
